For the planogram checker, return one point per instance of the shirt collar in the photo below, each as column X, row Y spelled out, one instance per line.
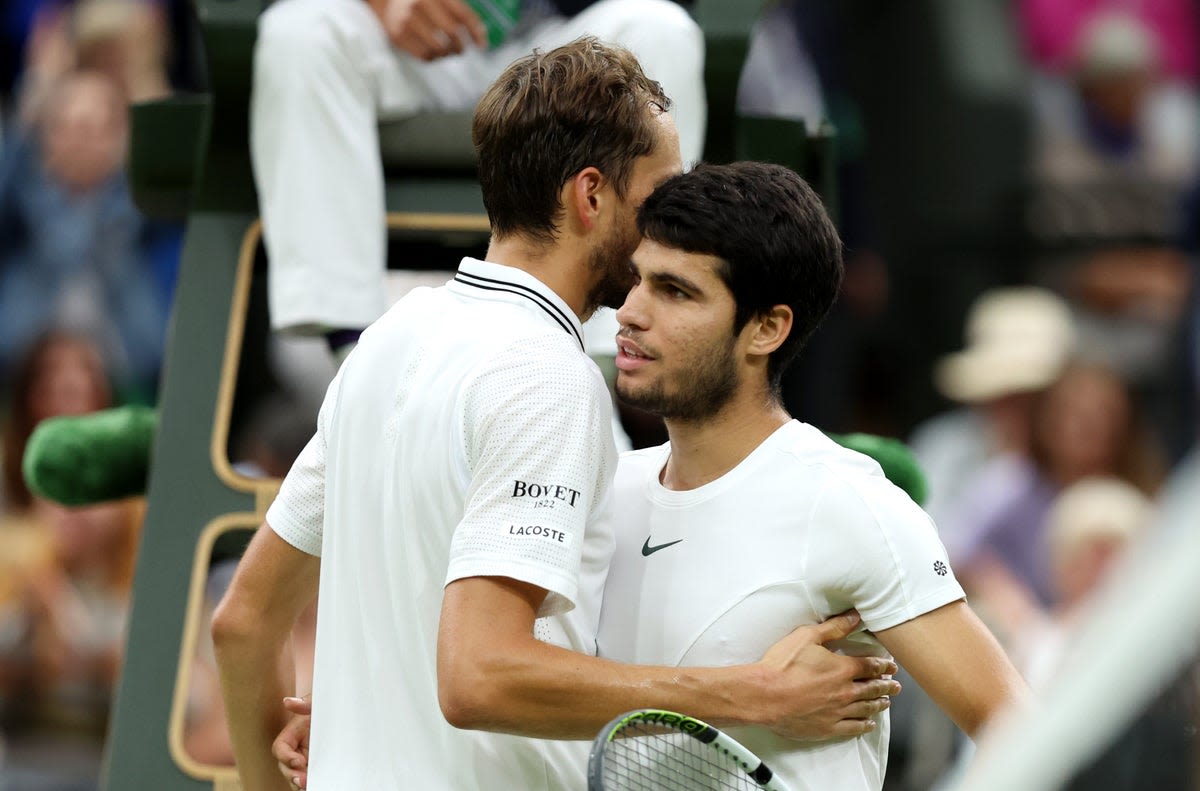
column 484, row 276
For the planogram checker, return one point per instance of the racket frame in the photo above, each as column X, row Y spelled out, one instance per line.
column 716, row 739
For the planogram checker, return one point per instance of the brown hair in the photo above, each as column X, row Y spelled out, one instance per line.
column 23, row 413
column 552, row 114
column 1135, row 457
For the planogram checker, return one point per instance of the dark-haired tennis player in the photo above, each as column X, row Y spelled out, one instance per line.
column 451, row 501
column 748, row 523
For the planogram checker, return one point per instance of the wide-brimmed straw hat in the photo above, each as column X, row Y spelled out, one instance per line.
column 1018, row 341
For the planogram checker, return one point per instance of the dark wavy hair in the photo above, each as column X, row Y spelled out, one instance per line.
column 776, row 242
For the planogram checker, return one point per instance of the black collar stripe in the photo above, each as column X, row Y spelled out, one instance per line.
column 546, row 305
column 541, row 297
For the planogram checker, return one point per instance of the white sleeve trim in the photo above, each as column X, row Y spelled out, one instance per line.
column 292, row 530
column 561, row 588
column 916, row 608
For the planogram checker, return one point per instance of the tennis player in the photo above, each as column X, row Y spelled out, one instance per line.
column 747, row 522
column 450, row 503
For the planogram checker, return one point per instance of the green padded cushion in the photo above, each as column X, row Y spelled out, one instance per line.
column 94, row 458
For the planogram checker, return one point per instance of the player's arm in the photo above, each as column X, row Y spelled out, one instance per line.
column 532, row 415
column 493, row 674
column 274, row 582
column 958, row 662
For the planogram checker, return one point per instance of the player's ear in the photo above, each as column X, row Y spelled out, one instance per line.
column 582, row 198
column 770, row 330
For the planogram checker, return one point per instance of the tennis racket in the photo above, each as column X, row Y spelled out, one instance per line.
column 654, row 750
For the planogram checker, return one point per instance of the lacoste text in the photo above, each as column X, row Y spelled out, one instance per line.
column 538, row 530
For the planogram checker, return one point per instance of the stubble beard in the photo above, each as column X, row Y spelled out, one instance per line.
column 698, row 391
column 610, row 262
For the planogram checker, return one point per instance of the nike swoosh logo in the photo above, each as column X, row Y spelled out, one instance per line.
column 648, row 550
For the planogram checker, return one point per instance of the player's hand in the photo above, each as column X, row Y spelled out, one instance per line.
column 430, row 29
column 823, row 695
column 290, row 747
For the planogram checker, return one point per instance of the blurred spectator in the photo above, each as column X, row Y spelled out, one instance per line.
column 1112, row 114
column 127, row 40
column 124, row 39
column 60, row 373
column 1026, row 554
column 73, row 249
column 1052, row 29
column 1084, row 425
column 68, row 574
column 1118, row 142
column 80, row 612
column 49, row 54
column 1018, row 341
column 1088, row 528
column 1091, row 527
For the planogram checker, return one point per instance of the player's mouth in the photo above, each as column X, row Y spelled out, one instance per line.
column 630, row 356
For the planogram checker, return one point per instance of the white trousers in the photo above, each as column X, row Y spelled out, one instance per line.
column 325, row 73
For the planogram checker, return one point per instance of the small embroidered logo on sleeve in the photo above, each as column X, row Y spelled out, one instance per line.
column 940, row 568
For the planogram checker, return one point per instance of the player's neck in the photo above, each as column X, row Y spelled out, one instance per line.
column 704, row 450
column 559, row 266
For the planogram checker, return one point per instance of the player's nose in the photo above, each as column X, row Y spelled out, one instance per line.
column 632, row 312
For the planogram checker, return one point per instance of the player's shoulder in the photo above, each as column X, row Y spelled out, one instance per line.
column 412, row 311
column 802, row 445
column 539, row 369
column 546, row 355
column 504, row 335
column 835, row 470
column 486, row 325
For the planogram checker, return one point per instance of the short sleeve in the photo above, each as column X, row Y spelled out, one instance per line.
column 875, row 550
column 298, row 513
column 537, row 438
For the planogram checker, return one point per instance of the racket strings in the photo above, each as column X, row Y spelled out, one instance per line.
column 648, row 758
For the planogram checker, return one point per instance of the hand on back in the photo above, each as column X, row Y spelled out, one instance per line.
column 823, row 695
column 814, row 694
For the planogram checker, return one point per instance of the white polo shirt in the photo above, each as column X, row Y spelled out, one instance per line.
column 801, row 530
column 466, row 435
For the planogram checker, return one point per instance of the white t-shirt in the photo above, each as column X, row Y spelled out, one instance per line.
column 801, row 530
column 466, row 435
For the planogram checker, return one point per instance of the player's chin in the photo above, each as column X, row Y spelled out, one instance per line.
column 627, row 390
column 644, row 395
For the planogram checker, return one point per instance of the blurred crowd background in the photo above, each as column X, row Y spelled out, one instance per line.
column 1019, row 193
